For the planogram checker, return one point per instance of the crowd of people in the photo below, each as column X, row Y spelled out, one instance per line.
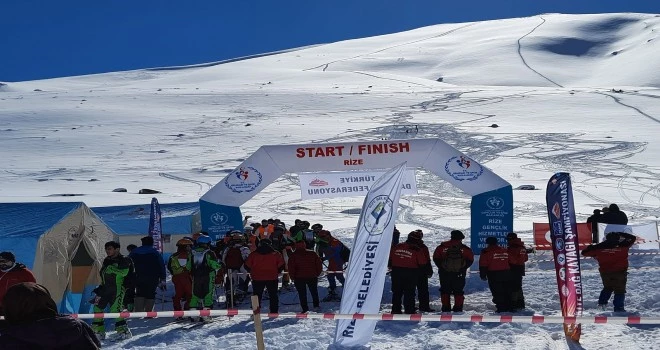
column 265, row 251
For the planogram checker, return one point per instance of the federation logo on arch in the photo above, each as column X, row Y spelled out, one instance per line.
column 495, row 203
column 244, row 179
column 462, row 168
column 219, row 218
column 378, row 214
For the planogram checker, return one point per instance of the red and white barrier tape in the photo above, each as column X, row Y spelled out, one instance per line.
column 388, row 317
column 588, row 244
column 588, row 257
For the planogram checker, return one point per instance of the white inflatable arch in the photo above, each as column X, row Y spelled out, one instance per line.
column 492, row 196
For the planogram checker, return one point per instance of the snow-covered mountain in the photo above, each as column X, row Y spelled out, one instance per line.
column 526, row 97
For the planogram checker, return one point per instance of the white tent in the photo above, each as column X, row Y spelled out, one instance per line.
column 63, row 245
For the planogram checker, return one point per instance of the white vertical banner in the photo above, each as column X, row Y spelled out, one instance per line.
column 367, row 266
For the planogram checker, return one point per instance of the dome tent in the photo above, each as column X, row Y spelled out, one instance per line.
column 63, row 245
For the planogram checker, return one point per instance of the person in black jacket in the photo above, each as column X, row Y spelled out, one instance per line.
column 32, row 322
column 615, row 216
column 149, row 273
column 594, row 220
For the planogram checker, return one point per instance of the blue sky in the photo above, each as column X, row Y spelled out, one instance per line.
column 43, row 39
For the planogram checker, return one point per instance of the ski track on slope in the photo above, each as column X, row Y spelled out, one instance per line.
column 523, row 58
column 326, row 65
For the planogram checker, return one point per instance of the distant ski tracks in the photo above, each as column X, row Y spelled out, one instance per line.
column 203, row 186
column 523, row 58
column 326, row 65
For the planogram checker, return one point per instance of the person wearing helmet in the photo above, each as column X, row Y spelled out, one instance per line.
column 180, row 264
column 233, row 259
column 453, row 259
column 612, row 257
column 407, row 261
column 265, row 264
column 204, row 267
column 331, row 249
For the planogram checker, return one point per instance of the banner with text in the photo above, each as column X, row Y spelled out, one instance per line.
column 561, row 216
column 367, row 265
column 155, row 225
column 348, row 183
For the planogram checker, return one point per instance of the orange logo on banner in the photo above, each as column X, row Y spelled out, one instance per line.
column 542, row 235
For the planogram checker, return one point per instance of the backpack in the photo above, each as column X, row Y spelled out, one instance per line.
column 453, row 261
column 344, row 253
column 234, row 258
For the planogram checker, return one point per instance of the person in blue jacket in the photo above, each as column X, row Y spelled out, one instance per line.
column 149, row 273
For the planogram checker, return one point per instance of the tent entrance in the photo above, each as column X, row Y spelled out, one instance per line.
column 81, row 267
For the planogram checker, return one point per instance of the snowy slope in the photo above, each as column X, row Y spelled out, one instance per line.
column 562, row 98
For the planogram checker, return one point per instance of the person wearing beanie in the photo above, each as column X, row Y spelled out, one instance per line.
column 517, row 258
column 423, row 280
column 265, row 264
column 453, row 259
column 494, row 267
column 407, row 262
column 11, row 273
column 33, row 322
column 612, row 257
column 305, row 267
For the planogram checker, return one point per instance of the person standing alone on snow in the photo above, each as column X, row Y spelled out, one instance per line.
column 11, row 273
column 612, row 257
column 453, row 259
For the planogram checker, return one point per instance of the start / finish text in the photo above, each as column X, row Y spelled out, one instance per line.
column 356, row 150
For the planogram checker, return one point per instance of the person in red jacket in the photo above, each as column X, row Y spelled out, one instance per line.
column 423, row 281
column 180, row 264
column 408, row 262
column 612, row 257
column 304, row 269
column 453, row 259
column 12, row 273
column 264, row 265
column 494, row 267
column 517, row 258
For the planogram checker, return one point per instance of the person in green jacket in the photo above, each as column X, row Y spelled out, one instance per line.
column 116, row 270
column 204, row 267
